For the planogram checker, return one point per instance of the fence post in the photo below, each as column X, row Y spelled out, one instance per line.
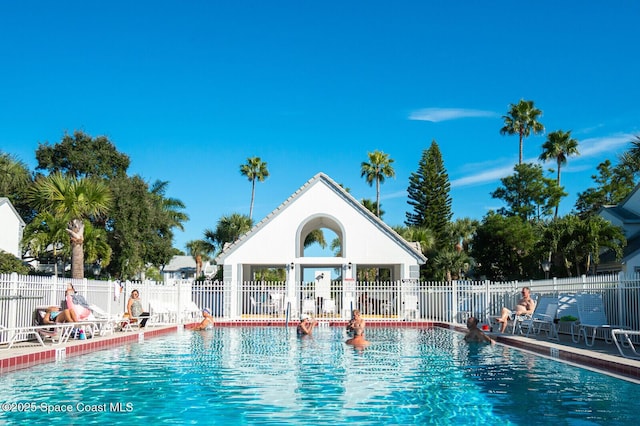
column 13, row 303
column 52, row 291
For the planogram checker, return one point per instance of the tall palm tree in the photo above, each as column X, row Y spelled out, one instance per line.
column 254, row 169
column 72, row 200
column 559, row 146
column 377, row 169
column 521, row 120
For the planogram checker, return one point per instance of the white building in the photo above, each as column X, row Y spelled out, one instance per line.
column 11, row 228
column 278, row 240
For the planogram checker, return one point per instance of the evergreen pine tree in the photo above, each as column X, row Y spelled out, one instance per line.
column 429, row 194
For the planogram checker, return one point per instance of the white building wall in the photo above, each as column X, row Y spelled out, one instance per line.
column 363, row 240
column 10, row 229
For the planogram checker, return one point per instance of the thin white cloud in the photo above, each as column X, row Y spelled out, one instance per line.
column 486, row 175
column 591, row 147
column 596, row 146
column 436, row 115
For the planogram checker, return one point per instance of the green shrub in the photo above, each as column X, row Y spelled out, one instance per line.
column 9, row 263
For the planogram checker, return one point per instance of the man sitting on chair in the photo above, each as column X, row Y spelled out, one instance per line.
column 526, row 305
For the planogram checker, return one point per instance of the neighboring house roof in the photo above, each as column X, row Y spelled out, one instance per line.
column 5, row 200
column 321, row 177
column 180, row 263
column 621, row 213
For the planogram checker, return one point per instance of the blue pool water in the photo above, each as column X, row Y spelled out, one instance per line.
column 267, row 375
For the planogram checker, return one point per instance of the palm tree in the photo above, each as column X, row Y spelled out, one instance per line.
column 521, row 120
column 45, row 233
column 559, row 146
column 254, row 169
column 377, row 169
column 229, row 229
column 170, row 206
column 371, row 206
column 198, row 250
column 72, row 200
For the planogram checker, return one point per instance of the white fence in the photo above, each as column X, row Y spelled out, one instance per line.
column 180, row 301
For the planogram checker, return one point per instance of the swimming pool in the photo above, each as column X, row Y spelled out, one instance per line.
column 268, row 375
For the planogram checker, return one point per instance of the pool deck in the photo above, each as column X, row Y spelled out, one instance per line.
column 602, row 357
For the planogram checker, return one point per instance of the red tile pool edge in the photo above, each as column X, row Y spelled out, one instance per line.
column 48, row 354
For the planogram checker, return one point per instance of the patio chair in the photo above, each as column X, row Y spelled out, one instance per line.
column 543, row 318
column 591, row 318
column 626, row 345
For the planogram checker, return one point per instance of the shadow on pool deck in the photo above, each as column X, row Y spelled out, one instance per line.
column 602, row 356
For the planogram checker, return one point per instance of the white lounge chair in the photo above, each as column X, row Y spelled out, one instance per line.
column 543, row 318
column 624, row 340
column 58, row 333
column 591, row 318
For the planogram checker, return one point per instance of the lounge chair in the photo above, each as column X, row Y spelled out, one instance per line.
column 58, row 333
column 626, row 345
column 542, row 318
column 591, row 318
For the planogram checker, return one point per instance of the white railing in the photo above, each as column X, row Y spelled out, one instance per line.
column 180, row 301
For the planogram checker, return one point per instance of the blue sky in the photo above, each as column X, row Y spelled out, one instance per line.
column 190, row 90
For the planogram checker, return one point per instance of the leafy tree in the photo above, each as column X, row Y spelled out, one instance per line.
column 9, row 263
column 140, row 228
column 429, row 195
column 613, row 184
column 528, row 193
column 377, row 170
column 15, row 180
column 521, row 120
column 73, row 200
column 559, row 146
column 80, row 155
column 254, row 169
column 504, row 248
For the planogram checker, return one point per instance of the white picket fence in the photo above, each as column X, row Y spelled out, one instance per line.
column 180, row 301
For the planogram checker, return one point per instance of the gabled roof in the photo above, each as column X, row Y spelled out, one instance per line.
column 323, row 178
column 179, row 263
column 5, row 200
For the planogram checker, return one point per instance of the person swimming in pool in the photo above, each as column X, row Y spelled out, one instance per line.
column 305, row 328
column 207, row 321
column 356, row 326
column 474, row 334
